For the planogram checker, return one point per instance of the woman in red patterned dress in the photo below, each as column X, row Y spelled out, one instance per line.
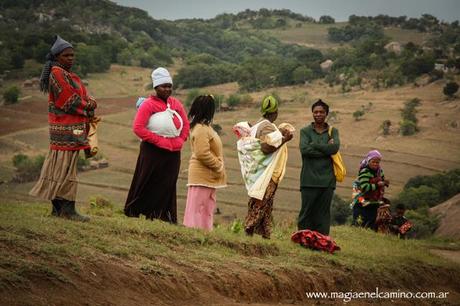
column 69, row 111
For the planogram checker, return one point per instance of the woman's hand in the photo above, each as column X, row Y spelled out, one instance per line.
column 380, row 183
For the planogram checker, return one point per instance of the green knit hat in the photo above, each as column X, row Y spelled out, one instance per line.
column 269, row 105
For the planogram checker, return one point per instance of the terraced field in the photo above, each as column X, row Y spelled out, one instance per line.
column 433, row 150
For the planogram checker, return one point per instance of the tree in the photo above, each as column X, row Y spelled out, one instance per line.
column 325, row 19
column 450, row 89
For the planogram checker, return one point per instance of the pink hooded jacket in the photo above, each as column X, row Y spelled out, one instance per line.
column 153, row 105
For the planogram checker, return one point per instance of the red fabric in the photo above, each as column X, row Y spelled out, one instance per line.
column 68, row 111
column 405, row 227
column 375, row 195
column 314, row 240
column 154, row 105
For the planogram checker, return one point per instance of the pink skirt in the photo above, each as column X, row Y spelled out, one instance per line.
column 199, row 211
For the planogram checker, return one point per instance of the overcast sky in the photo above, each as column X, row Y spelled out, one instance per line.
column 448, row 10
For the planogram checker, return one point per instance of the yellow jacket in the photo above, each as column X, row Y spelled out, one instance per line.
column 206, row 166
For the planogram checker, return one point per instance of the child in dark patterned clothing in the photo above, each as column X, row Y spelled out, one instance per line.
column 399, row 224
column 368, row 191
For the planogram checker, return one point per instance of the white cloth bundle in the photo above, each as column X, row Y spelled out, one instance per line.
column 162, row 123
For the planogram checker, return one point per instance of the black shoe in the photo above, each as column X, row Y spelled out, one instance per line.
column 249, row 231
column 56, row 207
column 68, row 211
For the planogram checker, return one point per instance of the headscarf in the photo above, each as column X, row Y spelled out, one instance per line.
column 370, row 155
column 269, row 105
column 58, row 46
column 242, row 129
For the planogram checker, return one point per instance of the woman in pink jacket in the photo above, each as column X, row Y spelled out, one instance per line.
column 161, row 123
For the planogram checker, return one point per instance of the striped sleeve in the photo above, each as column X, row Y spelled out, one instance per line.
column 364, row 178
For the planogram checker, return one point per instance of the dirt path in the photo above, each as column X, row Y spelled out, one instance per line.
column 447, row 254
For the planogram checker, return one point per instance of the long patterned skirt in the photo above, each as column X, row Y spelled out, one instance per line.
column 58, row 177
column 259, row 218
column 153, row 189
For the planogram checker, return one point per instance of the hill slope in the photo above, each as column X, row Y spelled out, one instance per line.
column 120, row 261
column 449, row 212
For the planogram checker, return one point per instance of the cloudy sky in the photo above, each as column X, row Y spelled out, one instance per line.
column 448, row 10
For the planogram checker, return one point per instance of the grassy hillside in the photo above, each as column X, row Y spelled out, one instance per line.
column 315, row 35
column 123, row 261
column 434, row 149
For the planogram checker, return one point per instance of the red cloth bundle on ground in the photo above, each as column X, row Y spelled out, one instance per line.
column 314, row 240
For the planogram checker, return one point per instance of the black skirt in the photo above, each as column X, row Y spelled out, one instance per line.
column 153, row 189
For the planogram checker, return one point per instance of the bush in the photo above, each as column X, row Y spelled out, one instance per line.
column 11, row 95
column 340, row 211
column 417, row 197
column 326, row 19
column 233, row 100
column 447, row 184
column 408, row 114
column 424, row 223
column 386, row 127
column 82, row 162
column 408, row 128
column 450, row 89
column 358, row 114
column 101, row 206
column 27, row 168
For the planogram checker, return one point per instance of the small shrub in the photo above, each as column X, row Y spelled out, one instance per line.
column 101, row 206
column 340, row 211
column 358, row 114
column 386, row 127
column 408, row 114
column 237, row 226
column 450, row 89
column 408, row 128
column 246, row 100
column 233, row 100
column 11, row 95
column 99, row 201
column 82, row 162
column 27, row 168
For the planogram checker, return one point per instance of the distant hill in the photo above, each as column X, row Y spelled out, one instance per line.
column 449, row 211
column 257, row 49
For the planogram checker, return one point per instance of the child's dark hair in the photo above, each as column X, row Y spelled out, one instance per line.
column 322, row 104
column 202, row 110
column 401, row 206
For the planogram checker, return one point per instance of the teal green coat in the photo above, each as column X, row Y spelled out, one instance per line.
column 317, row 170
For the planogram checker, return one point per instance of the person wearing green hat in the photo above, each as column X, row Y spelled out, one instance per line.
column 271, row 142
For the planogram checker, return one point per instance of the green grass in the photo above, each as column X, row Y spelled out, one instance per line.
column 34, row 243
column 312, row 35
